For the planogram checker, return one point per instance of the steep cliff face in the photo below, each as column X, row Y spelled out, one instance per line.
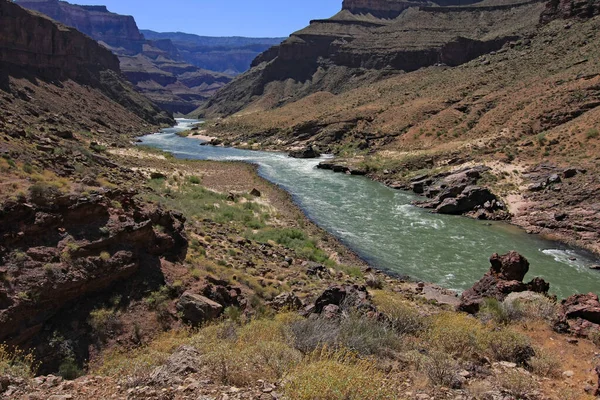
column 56, row 52
column 155, row 67
column 371, row 39
column 35, row 46
column 96, row 21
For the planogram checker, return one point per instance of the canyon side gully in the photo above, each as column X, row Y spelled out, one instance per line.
column 382, row 226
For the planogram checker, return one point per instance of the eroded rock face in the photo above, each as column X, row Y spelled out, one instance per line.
column 504, row 277
column 55, row 250
column 580, row 315
column 395, row 36
column 29, row 41
column 37, row 47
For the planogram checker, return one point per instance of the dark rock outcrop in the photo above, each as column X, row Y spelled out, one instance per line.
column 307, row 152
column 580, row 315
column 504, row 277
column 184, row 361
column 343, row 298
column 286, row 301
column 336, row 166
column 582, row 9
column 58, row 249
column 457, row 193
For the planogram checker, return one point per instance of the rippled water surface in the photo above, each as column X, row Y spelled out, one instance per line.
column 382, row 226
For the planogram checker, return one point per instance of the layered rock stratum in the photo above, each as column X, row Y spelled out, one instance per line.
column 369, row 40
column 155, row 67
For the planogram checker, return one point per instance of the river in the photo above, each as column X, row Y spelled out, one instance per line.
column 382, row 226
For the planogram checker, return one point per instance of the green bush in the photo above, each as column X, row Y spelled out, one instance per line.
column 194, row 180
column 69, row 369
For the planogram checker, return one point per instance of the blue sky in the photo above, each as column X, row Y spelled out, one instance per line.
column 264, row 18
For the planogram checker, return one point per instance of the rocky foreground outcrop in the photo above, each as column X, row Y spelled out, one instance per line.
column 56, row 249
column 504, row 277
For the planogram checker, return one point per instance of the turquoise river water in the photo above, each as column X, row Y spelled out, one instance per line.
column 382, row 226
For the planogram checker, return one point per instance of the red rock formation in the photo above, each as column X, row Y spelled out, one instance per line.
column 580, row 315
column 504, row 277
column 59, row 249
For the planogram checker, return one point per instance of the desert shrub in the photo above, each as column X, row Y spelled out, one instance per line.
column 374, row 281
column 141, row 361
column 517, row 383
column 338, row 375
column 311, row 334
column 592, row 134
column 293, row 239
column 404, row 319
column 104, row 322
column 233, row 313
column 456, row 334
column 43, row 193
column 18, row 363
column 367, row 336
column 194, row 180
column 68, row 369
column 545, row 364
column 508, row 345
column 439, row 368
column 501, row 313
column 540, row 308
column 257, row 350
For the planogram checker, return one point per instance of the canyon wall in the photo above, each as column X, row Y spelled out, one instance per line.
column 38, row 44
column 36, row 47
column 369, row 39
column 96, row 21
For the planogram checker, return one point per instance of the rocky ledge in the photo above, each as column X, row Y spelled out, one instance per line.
column 458, row 193
column 59, row 249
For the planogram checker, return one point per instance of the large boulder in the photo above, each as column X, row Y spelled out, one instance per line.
column 198, row 309
column 287, row 301
column 579, row 315
column 307, row 152
column 504, row 277
column 185, row 361
column 586, row 306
